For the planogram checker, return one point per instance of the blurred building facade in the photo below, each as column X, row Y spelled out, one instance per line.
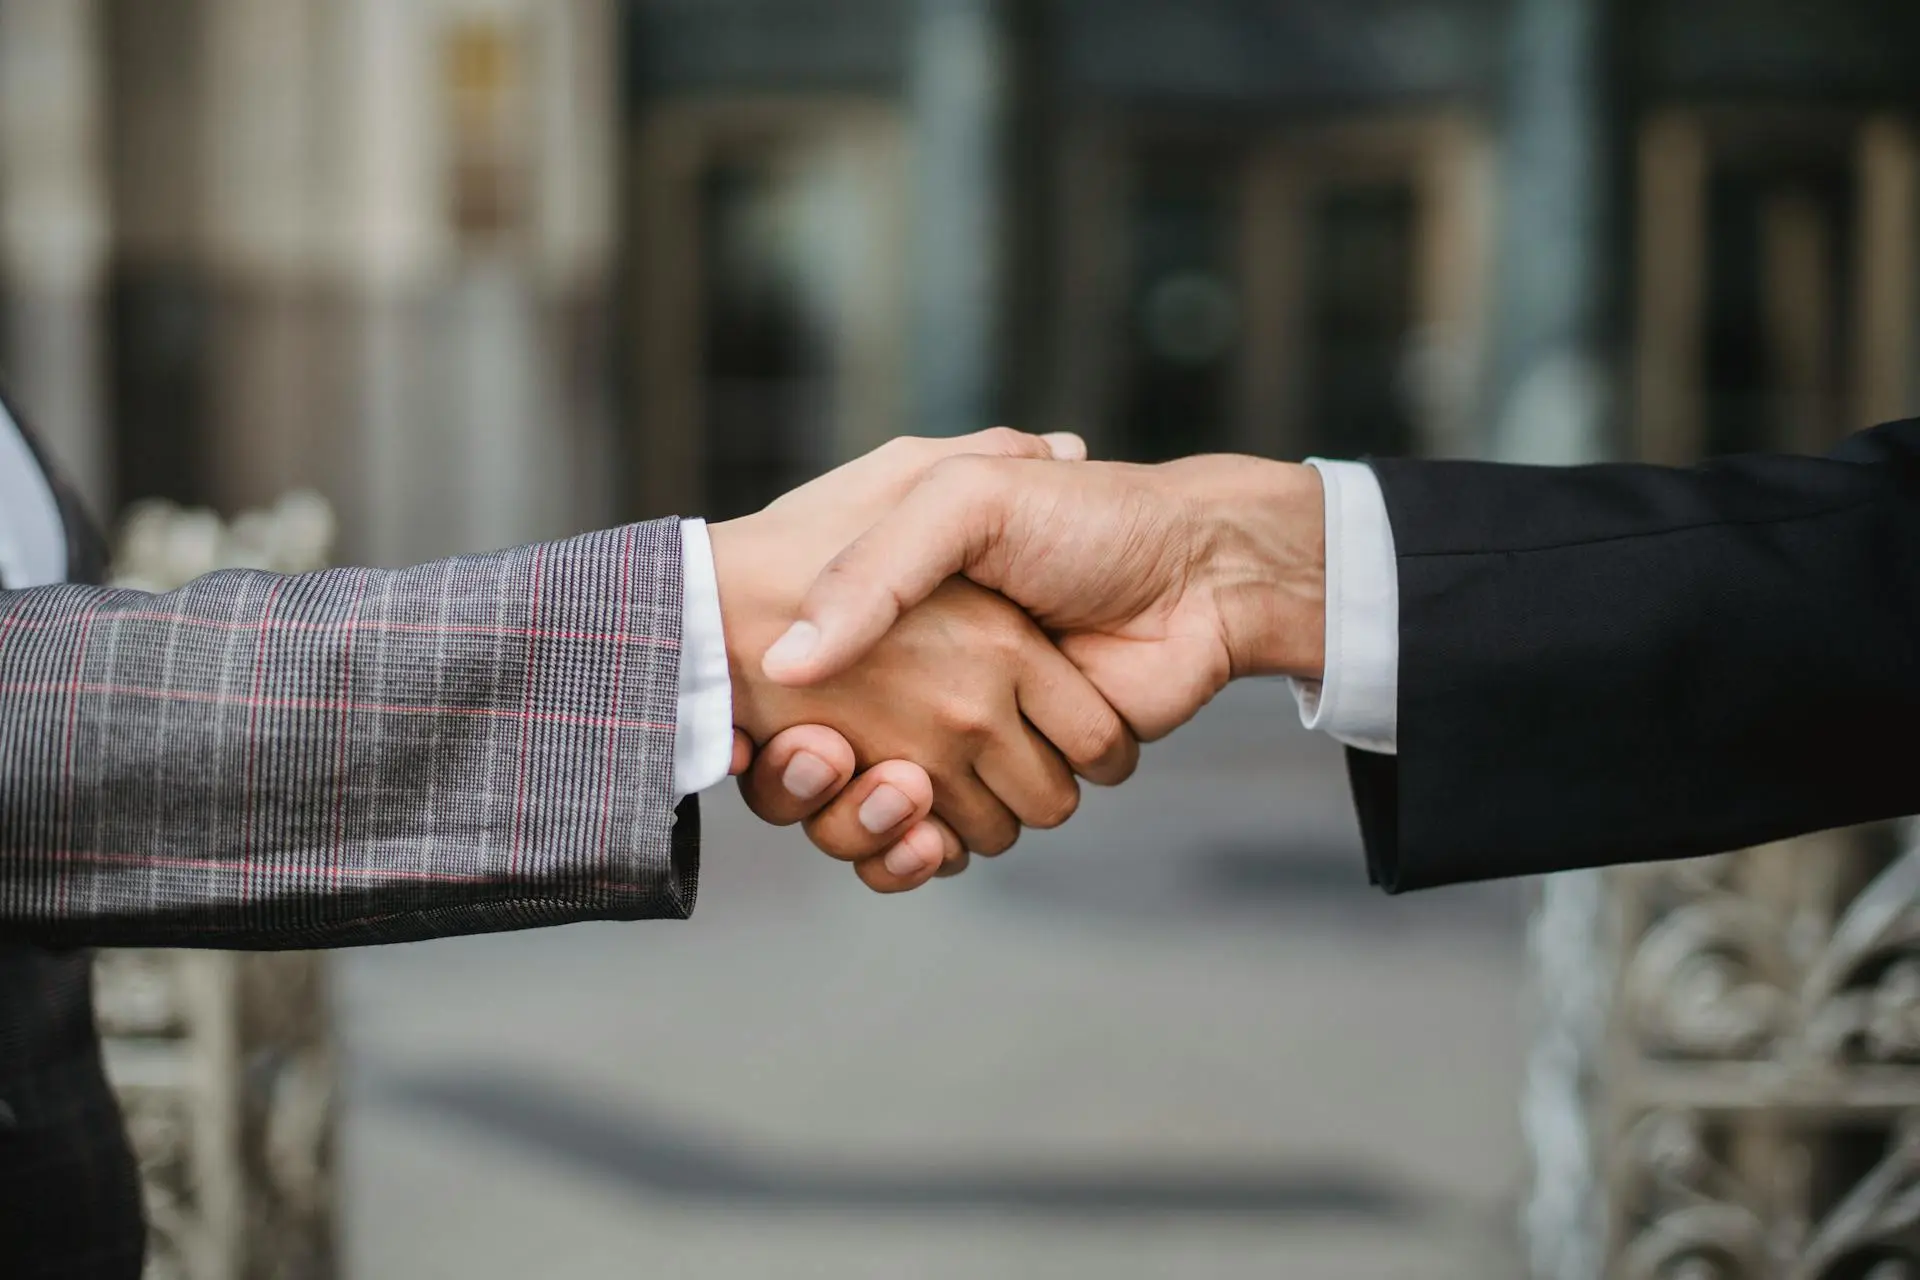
column 1230, row 225
column 363, row 247
column 491, row 270
column 484, row 270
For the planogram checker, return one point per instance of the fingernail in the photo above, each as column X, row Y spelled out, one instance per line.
column 792, row 649
column 884, row 810
column 1066, row 446
column 907, row 859
column 807, row 776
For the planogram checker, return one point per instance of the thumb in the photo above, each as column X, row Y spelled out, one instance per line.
column 1065, row 446
column 942, row 528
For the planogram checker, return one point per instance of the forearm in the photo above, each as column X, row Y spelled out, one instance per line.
column 358, row 756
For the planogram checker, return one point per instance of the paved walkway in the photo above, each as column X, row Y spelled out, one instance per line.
column 1179, row 1038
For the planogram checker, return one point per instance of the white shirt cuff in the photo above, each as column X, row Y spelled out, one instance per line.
column 703, row 744
column 1358, row 701
column 33, row 535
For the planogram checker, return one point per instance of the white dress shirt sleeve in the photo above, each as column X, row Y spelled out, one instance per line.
column 703, row 743
column 1358, row 700
column 33, row 537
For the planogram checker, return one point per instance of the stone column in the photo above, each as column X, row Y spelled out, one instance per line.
column 1558, row 335
column 262, row 227
column 473, row 377
column 960, row 91
column 383, row 249
column 54, row 228
column 1555, row 370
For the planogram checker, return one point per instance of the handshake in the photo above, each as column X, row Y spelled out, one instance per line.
column 932, row 646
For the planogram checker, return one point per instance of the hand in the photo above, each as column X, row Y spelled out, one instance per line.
column 965, row 685
column 1160, row 583
column 803, row 776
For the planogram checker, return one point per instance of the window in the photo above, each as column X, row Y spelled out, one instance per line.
column 1182, row 320
column 765, row 295
column 1309, row 287
column 1360, row 324
column 487, row 114
column 1779, row 239
column 1366, row 266
column 767, row 365
column 1776, row 295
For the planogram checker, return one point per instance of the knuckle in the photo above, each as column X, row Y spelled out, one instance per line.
column 1004, row 440
column 967, row 491
column 966, row 718
column 1056, row 808
column 988, row 622
column 1000, row 636
column 996, row 840
column 1105, row 741
column 838, row 567
column 963, row 473
column 841, row 574
column 1013, row 630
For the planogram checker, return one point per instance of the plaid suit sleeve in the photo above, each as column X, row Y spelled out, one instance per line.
column 356, row 756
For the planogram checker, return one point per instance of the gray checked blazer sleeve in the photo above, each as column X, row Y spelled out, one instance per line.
column 356, row 756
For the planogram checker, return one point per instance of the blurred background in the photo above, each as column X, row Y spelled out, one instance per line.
column 485, row 271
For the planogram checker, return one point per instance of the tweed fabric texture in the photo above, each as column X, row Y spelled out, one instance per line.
column 355, row 756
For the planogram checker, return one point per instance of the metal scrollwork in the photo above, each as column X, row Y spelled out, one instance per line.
column 1755, row 1106
column 224, row 1062
column 1726, row 976
column 1710, row 1224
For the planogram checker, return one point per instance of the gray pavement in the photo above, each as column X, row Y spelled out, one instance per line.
column 1178, row 1038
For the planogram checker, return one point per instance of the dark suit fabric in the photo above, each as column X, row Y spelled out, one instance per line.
column 1627, row 663
column 69, row 1189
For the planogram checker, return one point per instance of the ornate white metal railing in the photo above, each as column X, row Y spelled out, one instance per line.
column 225, row 1062
column 1726, row 1081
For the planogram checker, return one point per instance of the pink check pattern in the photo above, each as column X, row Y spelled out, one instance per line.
column 356, row 756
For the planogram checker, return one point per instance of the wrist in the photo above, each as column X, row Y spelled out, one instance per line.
column 751, row 613
column 1264, row 564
